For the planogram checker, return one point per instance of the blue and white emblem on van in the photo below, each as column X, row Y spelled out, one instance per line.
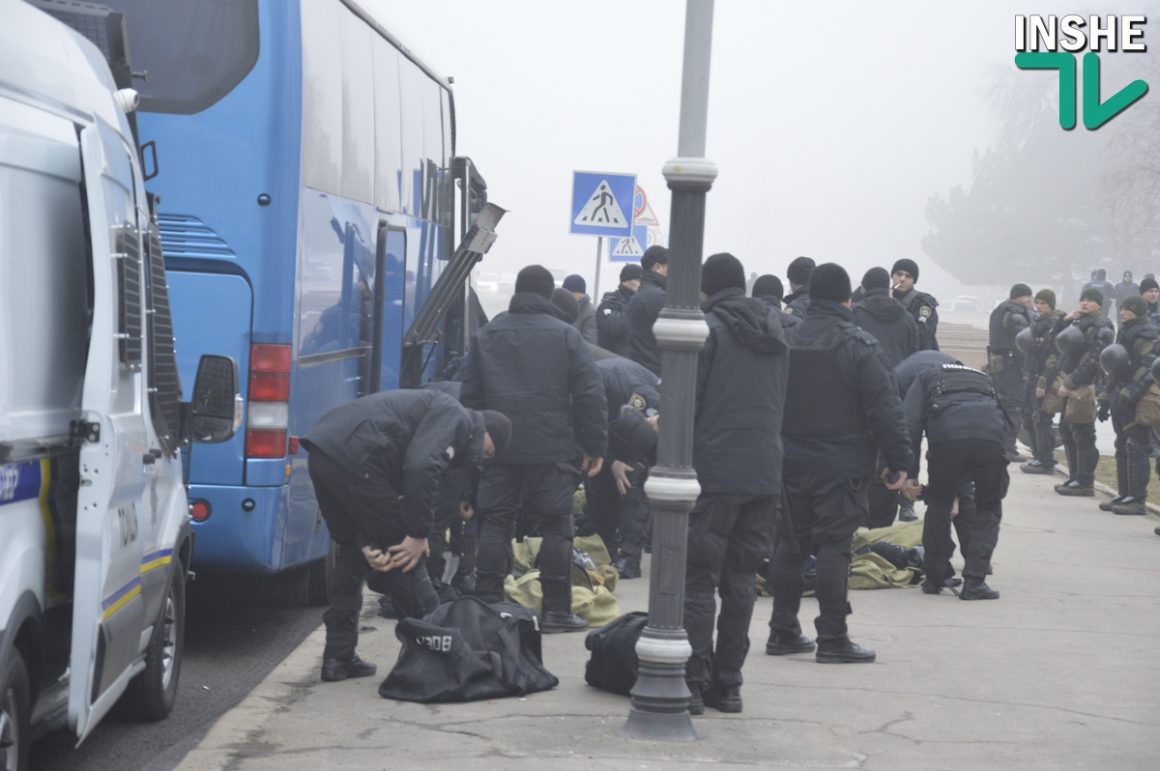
column 19, row 481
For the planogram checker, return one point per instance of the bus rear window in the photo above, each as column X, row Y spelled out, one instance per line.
column 193, row 52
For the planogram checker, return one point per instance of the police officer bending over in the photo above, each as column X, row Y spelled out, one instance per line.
column 1009, row 318
column 958, row 409
column 737, row 453
column 537, row 370
column 376, row 464
column 841, row 409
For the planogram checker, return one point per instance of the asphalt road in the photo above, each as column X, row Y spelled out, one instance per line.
column 228, row 651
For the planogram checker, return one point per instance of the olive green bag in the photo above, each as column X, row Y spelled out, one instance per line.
column 1148, row 409
column 1081, row 406
column 1052, row 401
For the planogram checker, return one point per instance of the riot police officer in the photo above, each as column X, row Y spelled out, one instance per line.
column 921, row 305
column 1006, row 361
column 1128, row 365
column 769, row 290
column 958, row 409
column 841, row 410
column 611, row 333
column 1042, row 362
column 1082, row 334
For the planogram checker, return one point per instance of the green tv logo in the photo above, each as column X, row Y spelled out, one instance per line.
column 1053, row 43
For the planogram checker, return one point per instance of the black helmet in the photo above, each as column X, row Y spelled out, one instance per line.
column 1071, row 341
column 1114, row 359
column 1026, row 342
column 1106, row 335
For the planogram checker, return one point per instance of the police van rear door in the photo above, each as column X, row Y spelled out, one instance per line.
column 108, row 609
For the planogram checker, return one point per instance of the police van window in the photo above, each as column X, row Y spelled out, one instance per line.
column 194, row 51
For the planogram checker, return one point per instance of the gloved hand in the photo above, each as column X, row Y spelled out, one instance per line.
column 1104, row 412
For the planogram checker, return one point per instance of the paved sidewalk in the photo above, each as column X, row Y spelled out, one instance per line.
column 1063, row 671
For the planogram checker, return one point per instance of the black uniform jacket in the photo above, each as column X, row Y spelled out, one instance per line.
column 537, row 370
column 626, row 382
column 611, row 334
column 640, row 315
column 741, row 380
column 952, row 402
column 884, row 317
column 923, row 307
column 842, row 405
column 784, row 316
column 413, row 436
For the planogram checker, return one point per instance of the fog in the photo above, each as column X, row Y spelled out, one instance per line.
column 831, row 125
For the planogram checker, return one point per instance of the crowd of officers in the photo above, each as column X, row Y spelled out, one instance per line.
column 810, row 409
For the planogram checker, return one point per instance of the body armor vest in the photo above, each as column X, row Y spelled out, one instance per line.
column 819, row 400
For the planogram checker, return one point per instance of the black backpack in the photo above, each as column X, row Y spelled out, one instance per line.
column 467, row 650
column 613, row 664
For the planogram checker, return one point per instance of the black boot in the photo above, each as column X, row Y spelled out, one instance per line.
column 696, row 700
column 1107, row 505
column 841, row 650
column 334, row 670
column 785, row 644
column 561, row 621
column 627, row 567
column 724, row 698
column 977, row 589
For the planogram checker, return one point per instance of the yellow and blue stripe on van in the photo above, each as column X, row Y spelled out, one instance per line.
column 120, row 598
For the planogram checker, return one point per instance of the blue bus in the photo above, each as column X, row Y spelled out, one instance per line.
column 304, row 162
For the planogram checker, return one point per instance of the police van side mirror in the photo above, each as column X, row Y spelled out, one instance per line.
column 214, row 412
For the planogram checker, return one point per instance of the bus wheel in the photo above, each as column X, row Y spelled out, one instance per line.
column 318, row 588
column 152, row 693
column 15, row 712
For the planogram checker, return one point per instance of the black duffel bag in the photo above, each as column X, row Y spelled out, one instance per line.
column 466, row 650
column 613, row 664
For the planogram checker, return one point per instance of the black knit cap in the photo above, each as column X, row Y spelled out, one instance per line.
column 1136, row 305
column 830, row 281
column 1093, row 294
column 876, row 278
column 1148, row 283
column 908, row 265
column 799, row 271
column 537, row 280
column 499, row 427
column 1047, row 296
column 1019, row 290
column 654, row 254
column 566, row 303
column 722, row 271
column 768, row 286
column 630, row 272
column 576, row 283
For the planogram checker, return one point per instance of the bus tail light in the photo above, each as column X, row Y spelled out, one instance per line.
column 268, row 415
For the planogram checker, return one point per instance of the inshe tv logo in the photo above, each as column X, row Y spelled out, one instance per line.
column 1053, row 43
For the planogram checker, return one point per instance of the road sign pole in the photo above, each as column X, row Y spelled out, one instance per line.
column 660, row 698
column 596, row 284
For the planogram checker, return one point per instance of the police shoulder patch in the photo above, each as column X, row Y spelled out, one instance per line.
column 925, row 312
column 637, row 402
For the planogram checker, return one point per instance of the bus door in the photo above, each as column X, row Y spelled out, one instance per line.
column 390, row 307
column 108, row 609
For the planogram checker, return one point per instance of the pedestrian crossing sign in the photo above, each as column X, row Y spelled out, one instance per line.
column 602, row 203
column 629, row 249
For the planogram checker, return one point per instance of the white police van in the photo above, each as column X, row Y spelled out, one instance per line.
column 94, row 528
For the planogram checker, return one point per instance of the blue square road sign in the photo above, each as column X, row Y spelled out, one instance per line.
column 602, row 203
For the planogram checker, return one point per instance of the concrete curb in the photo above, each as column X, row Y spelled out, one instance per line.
column 1103, row 489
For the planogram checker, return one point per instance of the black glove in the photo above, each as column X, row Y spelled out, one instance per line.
column 1104, row 412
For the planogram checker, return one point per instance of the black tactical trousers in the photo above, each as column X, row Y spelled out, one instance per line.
column 1011, row 389
column 1079, row 443
column 543, row 492
column 617, row 518
column 1027, row 415
column 823, row 513
column 1133, row 446
column 947, row 464
column 412, row 593
column 729, row 536
column 1044, row 435
column 367, row 498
